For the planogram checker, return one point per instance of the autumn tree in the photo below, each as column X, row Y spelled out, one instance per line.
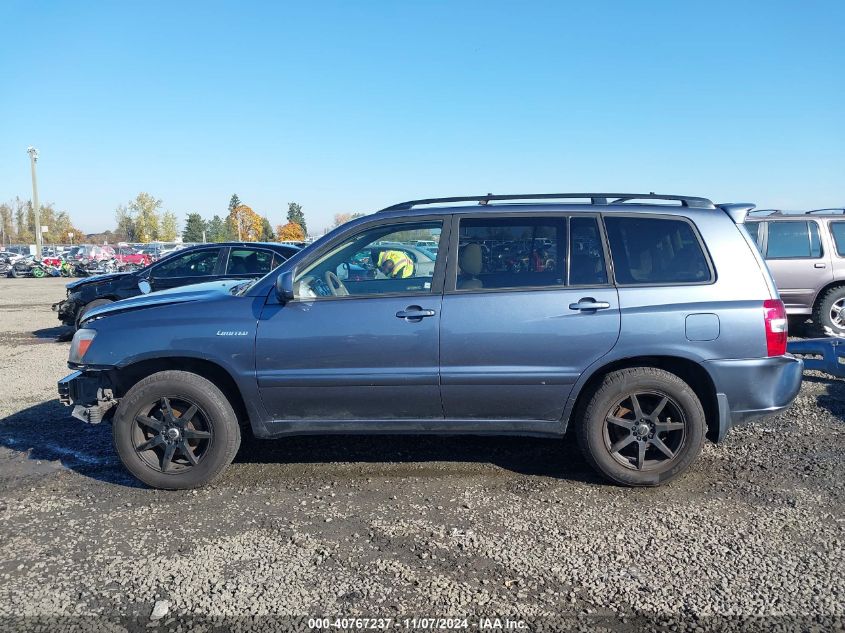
column 7, row 223
column 168, row 229
column 343, row 218
column 290, row 232
column 217, row 230
column 245, row 223
column 144, row 213
column 296, row 215
column 195, row 227
column 125, row 230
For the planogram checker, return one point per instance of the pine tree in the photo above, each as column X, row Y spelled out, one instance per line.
column 234, row 202
column 296, row 216
column 267, row 234
column 217, row 230
column 195, row 226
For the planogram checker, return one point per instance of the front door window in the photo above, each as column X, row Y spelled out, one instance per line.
column 378, row 261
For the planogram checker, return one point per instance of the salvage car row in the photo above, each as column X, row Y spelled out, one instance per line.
column 645, row 322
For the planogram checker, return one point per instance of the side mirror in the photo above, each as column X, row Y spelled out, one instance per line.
column 144, row 286
column 284, row 286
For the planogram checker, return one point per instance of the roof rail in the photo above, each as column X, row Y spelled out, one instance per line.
column 766, row 212
column 830, row 211
column 595, row 198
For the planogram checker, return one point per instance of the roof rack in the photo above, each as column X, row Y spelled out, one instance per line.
column 830, row 211
column 595, row 198
column 766, row 212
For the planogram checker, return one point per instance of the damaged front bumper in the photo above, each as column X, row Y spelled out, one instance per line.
column 66, row 310
column 90, row 394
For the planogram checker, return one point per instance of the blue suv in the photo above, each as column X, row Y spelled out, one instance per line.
column 645, row 322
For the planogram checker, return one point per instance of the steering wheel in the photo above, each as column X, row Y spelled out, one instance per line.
column 335, row 284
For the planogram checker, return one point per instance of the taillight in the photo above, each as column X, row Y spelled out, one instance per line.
column 776, row 326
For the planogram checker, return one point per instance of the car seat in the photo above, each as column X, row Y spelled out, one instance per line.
column 470, row 261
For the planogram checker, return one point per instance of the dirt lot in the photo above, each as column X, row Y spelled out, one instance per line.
column 752, row 538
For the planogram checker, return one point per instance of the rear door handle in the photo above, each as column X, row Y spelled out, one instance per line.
column 818, row 265
column 414, row 313
column 589, row 304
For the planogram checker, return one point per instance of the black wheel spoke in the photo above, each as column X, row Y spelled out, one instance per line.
column 665, row 427
column 625, row 424
column 168, row 410
column 635, row 403
column 167, row 458
column 149, row 422
column 618, row 446
column 188, row 415
column 641, row 455
column 659, row 408
column 656, row 441
column 154, row 441
column 187, row 452
column 193, row 434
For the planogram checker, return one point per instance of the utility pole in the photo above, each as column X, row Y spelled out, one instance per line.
column 33, row 156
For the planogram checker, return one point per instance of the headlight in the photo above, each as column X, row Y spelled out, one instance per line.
column 81, row 342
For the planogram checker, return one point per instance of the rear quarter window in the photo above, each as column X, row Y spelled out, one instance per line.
column 837, row 230
column 656, row 251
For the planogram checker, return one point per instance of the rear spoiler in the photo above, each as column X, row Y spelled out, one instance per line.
column 737, row 210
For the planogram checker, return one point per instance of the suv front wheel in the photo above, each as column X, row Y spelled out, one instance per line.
column 175, row 430
column 642, row 426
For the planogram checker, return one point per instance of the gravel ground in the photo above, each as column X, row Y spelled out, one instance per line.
column 752, row 538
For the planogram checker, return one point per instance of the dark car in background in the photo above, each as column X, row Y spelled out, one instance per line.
column 192, row 265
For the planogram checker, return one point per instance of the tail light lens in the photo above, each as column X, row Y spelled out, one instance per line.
column 776, row 327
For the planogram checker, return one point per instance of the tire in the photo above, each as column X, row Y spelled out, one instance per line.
column 213, row 417
column 14, row 272
column 681, row 427
column 88, row 307
column 825, row 313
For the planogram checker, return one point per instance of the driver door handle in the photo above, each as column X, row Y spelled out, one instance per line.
column 414, row 313
column 589, row 304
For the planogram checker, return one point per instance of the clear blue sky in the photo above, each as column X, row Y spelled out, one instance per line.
column 350, row 106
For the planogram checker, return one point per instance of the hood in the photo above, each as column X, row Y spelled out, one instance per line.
column 183, row 294
column 95, row 279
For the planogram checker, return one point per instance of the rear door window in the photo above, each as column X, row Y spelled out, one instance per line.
column 793, row 240
column 656, row 251
column 249, row 261
column 511, row 253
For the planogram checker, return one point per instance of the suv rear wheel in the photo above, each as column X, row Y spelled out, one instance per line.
column 175, row 430
column 830, row 311
column 642, row 426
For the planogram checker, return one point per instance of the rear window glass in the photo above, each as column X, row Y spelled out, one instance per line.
column 249, row 261
column 793, row 240
column 837, row 229
column 655, row 251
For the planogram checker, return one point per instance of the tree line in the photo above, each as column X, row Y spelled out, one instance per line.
column 17, row 223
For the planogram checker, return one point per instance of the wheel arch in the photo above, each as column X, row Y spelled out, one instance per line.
column 125, row 377
column 690, row 371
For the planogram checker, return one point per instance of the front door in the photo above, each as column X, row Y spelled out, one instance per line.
column 360, row 340
column 519, row 325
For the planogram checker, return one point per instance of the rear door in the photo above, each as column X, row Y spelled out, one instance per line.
column 797, row 260
column 528, row 306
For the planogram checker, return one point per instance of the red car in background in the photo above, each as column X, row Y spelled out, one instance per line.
column 85, row 253
column 127, row 256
